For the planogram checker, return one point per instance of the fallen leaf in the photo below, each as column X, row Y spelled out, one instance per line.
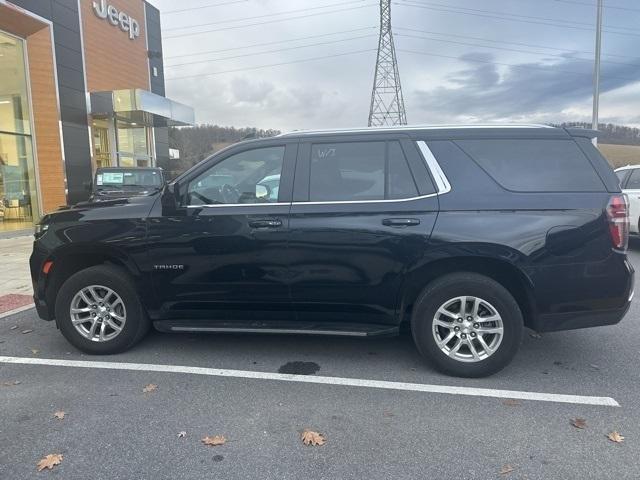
column 594, row 366
column 511, row 402
column 11, row 383
column 387, row 413
column 214, row 441
column 35, row 351
column 579, row 422
column 615, row 437
column 150, row 388
column 14, row 327
column 506, row 469
column 309, row 437
column 28, row 330
column 535, row 335
column 182, row 434
column 50, row 461
column 59, row 414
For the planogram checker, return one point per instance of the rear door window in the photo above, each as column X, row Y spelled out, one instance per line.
column 634, row 180
column 535, row 165
column 359, row 171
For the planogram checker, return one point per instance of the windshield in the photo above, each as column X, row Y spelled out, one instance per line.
column 127, row 178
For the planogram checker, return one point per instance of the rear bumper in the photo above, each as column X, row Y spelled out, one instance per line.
column 572, row 321
column 590, row 318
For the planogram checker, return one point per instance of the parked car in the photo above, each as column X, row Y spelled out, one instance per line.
column 466, row 235
column 121, row 182
column 629, row 178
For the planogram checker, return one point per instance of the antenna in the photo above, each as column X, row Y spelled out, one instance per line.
column 387, row 104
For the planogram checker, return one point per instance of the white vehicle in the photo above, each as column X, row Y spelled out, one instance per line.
column 629, row 177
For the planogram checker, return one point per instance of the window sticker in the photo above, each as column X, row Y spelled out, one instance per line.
column 99, row 179
column 113, row 177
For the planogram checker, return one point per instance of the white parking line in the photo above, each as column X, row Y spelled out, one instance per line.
column 348, row 382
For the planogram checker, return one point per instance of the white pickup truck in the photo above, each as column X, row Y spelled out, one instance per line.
column 629, row 177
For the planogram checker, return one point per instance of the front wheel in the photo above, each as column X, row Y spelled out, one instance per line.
column 467, row 324
column 98, row 311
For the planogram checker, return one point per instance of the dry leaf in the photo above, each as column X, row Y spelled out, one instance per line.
column 506, row 469
column 615, row 437
column 182, row 434
column 214, row 441
column 50, row 461
column 579, row 422
column 14, row 327
column 35, row 351
column 11, row 383
column 535, row 335
column 387, row 413
column 511, row 402
column 59, row 414
column 28, row 330
column 310, row 437
column 150, row 388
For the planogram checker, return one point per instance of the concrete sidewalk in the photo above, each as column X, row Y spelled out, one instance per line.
column 15, row 280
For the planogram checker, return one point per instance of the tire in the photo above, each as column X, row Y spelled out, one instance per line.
column 493, row 298
column 106, row 278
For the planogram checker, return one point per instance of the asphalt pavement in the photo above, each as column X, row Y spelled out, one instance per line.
column 239, row 386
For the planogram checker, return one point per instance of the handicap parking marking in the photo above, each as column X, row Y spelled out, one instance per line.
column 323, row 380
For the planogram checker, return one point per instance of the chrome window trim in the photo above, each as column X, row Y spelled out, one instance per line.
column 239, row 205
column 442, row 182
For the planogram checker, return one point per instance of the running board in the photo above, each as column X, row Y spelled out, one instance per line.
column 279, row 328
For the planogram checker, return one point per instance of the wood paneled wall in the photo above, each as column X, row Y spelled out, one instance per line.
column 46, row 120
column 114, row 61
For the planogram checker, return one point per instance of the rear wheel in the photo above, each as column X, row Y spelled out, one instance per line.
column 98, row 311
column 467, row 324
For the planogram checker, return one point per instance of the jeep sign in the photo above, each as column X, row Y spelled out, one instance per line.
column 118, row 19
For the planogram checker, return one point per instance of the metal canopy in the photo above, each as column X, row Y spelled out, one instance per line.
column 141, row 106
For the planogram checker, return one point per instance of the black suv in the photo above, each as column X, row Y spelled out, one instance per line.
column 463, row 234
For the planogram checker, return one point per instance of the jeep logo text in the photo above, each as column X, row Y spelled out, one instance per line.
column 118, row 19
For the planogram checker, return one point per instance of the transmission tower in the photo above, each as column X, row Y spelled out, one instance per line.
column 387, row 104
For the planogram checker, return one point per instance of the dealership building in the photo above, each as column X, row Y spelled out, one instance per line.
column 81, row 86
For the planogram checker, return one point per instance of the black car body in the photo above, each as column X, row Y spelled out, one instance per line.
column 365, row 229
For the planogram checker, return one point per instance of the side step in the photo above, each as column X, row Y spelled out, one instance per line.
column 293, row 328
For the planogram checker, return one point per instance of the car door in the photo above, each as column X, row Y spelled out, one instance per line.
column 364, row 208
column 218, row 250
column 632, row 189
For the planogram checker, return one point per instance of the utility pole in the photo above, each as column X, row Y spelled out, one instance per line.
column 387, row 104
column 596, row 70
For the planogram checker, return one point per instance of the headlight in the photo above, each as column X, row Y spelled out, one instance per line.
column 40, row 229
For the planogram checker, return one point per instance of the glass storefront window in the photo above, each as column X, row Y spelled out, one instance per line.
column 102, row 141
column 18, row 190
column 134, row 144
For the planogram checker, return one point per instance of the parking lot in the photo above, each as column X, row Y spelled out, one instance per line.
column 242, row 387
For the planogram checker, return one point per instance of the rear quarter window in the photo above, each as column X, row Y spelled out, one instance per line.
column 534, row 165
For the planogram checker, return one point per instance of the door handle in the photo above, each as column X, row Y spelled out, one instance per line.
column 400, row 222
column 266, row 223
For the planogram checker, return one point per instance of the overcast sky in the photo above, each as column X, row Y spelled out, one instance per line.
column 466, row 66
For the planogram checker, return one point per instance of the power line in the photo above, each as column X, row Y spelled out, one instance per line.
column 614, row 7
column 514, row 19
column 513, row 43
column 182, row 35
column 513, row 50
column 269, row 43
column 584, row 24
column 242, row 19
column 271, row 65
column 269, row 51
column 532, row 67
column 168, row 12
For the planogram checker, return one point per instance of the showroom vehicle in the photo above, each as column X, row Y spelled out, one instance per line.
column 121, row 182
column 466, row 235
column 629, row 178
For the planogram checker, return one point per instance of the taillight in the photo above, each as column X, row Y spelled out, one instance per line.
column 618, row 216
